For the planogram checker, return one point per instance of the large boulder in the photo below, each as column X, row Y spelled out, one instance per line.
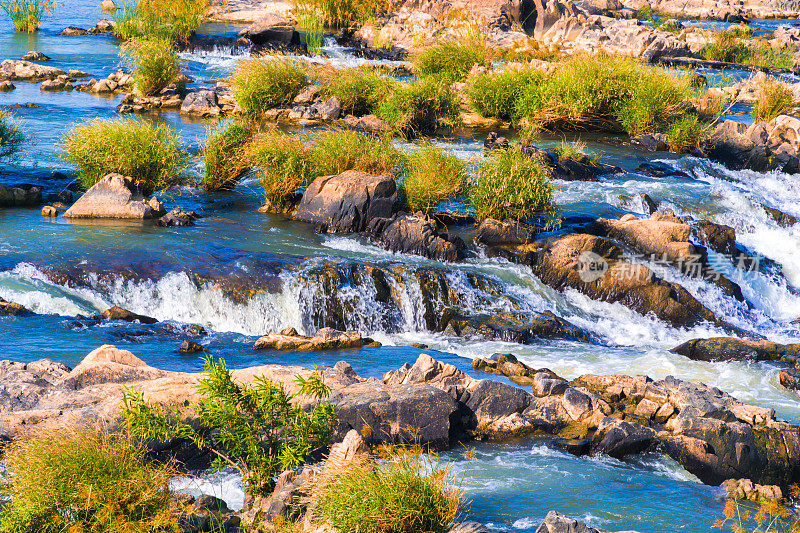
column 202, row 103
column 493, row 232
column 20, row 196
column 762, row 146
column 115, row 196
column 323, row 340
column 348, row 202
column 271, row 28
column 415, row 234
column 556, row 522
column 19, row 69
column 733, row 349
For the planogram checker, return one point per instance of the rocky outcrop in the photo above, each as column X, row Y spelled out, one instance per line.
column 115, row 196
column 719, row 9
column 20, row 196
column 733, row 349
column 556, row 522
column 12, row 309
column 744, row 489
column 790, row 378
column 118, row 313
column 416, row 234
column 19, row 69
column 201, row 103
column 271, row 28
column 510, row 327
column 324, row 339
column 348, row 202
column 507, row 365
column 762, row 146
column 493, row 232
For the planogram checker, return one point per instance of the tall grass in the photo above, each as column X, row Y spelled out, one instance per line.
column 433, row 175
column 11, row 137
column 656, row 100
column 335, row 151
column 282, row 164
column 728, row 46
column 153, row 64
column 149, row 153
column 512, row 185
column 773, row 98
column 420, row 108
column 344, row 13
column 226, row 156
column 26, row 15
column 359, row 91
column 684, row 133
column 495, row 94
column 451, row 60
column 84, row 480
column 173, row 20
column 311, row 24
column 262, row 83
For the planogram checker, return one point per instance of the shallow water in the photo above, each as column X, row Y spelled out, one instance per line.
column 171, row 273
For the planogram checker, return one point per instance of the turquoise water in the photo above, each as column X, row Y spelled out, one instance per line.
column 65, row 270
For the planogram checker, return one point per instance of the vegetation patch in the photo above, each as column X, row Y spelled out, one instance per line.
column 684, row 134
column 261, row 84
column 344, row 13
column 730, row 46
column 11, row 137
column 495, row 94
column 311, row 24
column 773, row 98
column 359, row 91
column 336, row 151
column 451, row 61
column 26, row 15
column 84, row 480
column 171, row 20
column 149, row 153
column 282, row 163
column 153, row 64
column 420, row 108
column 433, row 175
column 226, row 156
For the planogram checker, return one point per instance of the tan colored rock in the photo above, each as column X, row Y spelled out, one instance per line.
column 323, row 340
column 115, row 196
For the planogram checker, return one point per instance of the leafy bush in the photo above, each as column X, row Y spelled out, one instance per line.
column 420, row 108
column 496, row 94
column 149, row 153
column 11, row 137
column 725, row 46
column 684, row 133
column 84, row 480
column 451, row 61
column 655, row 101
column 254, row 429
column 261, row 84
column 225, row 156
column 773, row 98
column 359, row 91
column 510, row 184
column 26, row 15
column 408, row 492
column 433, row 175
column 344, row 13
column 282, row 164
column 172, row 20
column 153, row 64
column 336, row 150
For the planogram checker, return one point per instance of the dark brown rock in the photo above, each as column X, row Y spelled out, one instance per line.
column 12, row 309
column 415, row 234
column 494, row 232
column 118, row 313
column 733, row 349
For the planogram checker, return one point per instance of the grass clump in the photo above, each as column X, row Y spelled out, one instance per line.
column 225, row 156
column 684, row 133
column 26, row 15
column 311, row 24
column 84, row 480
column 773, row 98
column 420, row 108
column 433, row 175
column 731, row 46
column 496, row 94
column 171, row 20
column 153, row 64
column 451, row 61
column 281, row 161
column 261, row 84
column 336, row 151
column 11, row 137
column 344, row 13
column 149, row 153
column 359, row 91
column 255, row 429
column 510, row 184
column 407, row 492
column 655, row 101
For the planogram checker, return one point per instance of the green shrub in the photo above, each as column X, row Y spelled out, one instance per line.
column 26, row 15
column 773, row 98
column 172, row 20
column 420, row 108
column 496, row 94
column 281, row 161
column 149, row 153
column 671, row 26
column 225, row 156
column 407, row 493
column 655, row 101
column 433, row 175
column 684, row 133
column 255, row 429
column 11, row 137
column 311, row 24
column 510, row 184
column 84, row 480
column 359, row 91
column 344, row 13
column 451, row 61
column 336, row 150
column 261, row 84
column 725, row 46
column 153, row 64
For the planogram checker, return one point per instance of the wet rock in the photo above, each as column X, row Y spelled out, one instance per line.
column 188, row 346
column 367, row 123
column 12, row 309
column 348, row 202
column 790, row 378
column 651, row 142
column 784, row 220
column 270, row 28
column 72, row 31
column 49, row 211
column 323, row 340
column 660, row 170
column 20, row 196
column 495, row 141
column 508, row 365
column 493, row 232
column 718, row 237
column 744, row 489
column 115, row 196
column 733, row 349
column 415, row 234
column 202, row 102
column 508, row 327
column 469, row 527
column 118, row 313
column 579, row 167
column 7, row 86
column 617, row 438
column 33, row 55
column 556, row 522
column 177, row 218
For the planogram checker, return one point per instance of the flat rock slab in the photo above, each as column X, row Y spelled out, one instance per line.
column 115, row 196
column 324, row 340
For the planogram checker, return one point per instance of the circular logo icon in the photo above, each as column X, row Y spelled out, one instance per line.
column 591, row 267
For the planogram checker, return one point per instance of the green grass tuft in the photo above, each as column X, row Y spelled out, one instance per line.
column 451, row 61
column 26, row 15
column 149, row 153
column 11, row 137
column 420, row 108
column 225, row 156
column 261, row 84
column 344, row 13
column 171, row 20
column 773, row 98
column 359, row 91
column 433, row 175
column 336, row 151
column 495, row 94
column 153, row 64
column 282, row 164
column 684, row 134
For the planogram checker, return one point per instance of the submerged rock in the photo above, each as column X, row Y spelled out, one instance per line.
column 178, row 218
column 323, row 340
column 12, row 309
column 20, row 196
column 416, row 234
column 115, row 196
column 733, row 349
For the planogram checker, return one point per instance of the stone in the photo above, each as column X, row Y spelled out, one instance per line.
column 270, row 28
column 556, row 522
column 495, row 141
column 177, row 218
column 7, row 86
column 784, row 220
column 20, row 196
column 367, row 123
column 745, row 489
column 348, row 202
column 493, row 232
column 352, row 448
column 49, row 211
column 202, row 102
column 33, row 55
column 108, row 6
column 718, row 237
column 415, row 234
column 469, row 527
column 58, row 84
column 733, row 349
column 12, row 309
column 11, row 69
column 105, row 26
column 790, row 378
column 115, row 196
column 651, row 142
column 118, row 313
column 72, row 31
column 323, row 340
column 188, row 346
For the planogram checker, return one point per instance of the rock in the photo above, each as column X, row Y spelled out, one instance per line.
column 351, row 448
column 651, row 142
column 323, row 340
column 61, row 83
column 12, row 309
column 744, row 489
column 270, row 28
column 761, row 147
column 469, row 527
column 508, row 365
column 75, row 73
column 784, row 220
column 718, row 237
column 11, row 69
column 49, row 211
column 790, row 378
column 177, row 218
column 508, row 327
column 72, row 31
column 33, row 55
column 348, row 202
column 493, row 232
column 115, row 196
column 617, row 438
column 733, row 349
column 307, row 95
column 494, row 141
column 105, row 26
column 188, row 346
column 202, row 102
column 556, row 522
column 415, row 234
column 118, row 313
column 20, row 196
column 367, row 123
column 108, row 6
column 7, row 86
column 328, row 110
column 579, row 167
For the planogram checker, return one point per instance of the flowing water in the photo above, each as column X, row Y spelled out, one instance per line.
column 241, row 274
